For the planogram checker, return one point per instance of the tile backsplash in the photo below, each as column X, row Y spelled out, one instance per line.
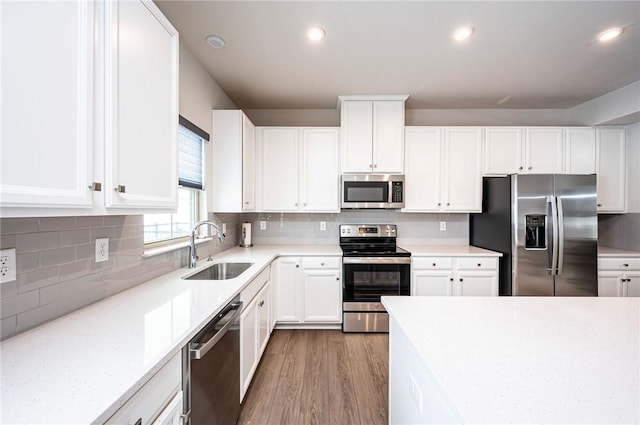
column 619, row 230
column 57, row 273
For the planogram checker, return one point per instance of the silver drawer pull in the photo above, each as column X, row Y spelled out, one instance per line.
column 479, row 264
column 96, row 187
column 626, row 265
column 121, row 188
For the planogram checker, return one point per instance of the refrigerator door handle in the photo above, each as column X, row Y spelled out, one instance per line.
column 552, row 233
column 560, row 228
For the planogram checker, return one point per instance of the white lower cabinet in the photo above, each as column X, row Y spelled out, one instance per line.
column 254, row 327
column 454, row 276
column 309, row 290
column 158, row 402
column 619, row 277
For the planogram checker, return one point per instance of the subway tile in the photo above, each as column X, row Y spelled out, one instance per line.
column 82, row 299
column 69, row 288
column 54, row 257
column 88, row 222
column 32, row 242
column 57, row 223
column 74, row 270
column 114, row 220
column 7, row 327
column 103, row 232
column 75, row 237
column 37, row 316
column 8, row 289
column 21, row 302
column 7, row 241
column 27, row 262
column 37, row 279
column 85, row 251
column 123, row 232
column 9, row 226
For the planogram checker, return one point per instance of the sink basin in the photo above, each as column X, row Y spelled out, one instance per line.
column 220, row 271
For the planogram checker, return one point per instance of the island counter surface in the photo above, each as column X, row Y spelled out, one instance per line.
column 514, row 360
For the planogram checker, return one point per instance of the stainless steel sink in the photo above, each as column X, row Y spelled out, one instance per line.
column 220, row 271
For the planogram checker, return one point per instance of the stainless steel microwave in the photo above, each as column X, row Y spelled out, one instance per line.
column 377, row 191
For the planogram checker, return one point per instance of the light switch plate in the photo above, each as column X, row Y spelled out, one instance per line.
column 443, row 226
column 323, row 225
column 102, row 249
column 263, row 225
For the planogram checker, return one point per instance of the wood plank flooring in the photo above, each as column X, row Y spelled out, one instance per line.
column 319, row 377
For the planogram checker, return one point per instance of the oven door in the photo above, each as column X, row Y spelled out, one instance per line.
column 367, row 280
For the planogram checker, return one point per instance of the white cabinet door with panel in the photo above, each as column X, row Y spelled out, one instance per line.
column 503, row 150
column 423, row 169
column 580, row 150
column 278, row 147
column 288, row 289
column 432, row 283
column 462, row 188
column 372, row 134
column 48, row 111
column 320, row 175
column 322, row 290
column 619, row 277
column 476, row 283
column 611, row 176
column 248, row 344
column 454, row 276
column 233, row 153
column 141, row 107
column 544, row 150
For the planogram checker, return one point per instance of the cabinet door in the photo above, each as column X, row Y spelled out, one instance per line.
column 423, row 167
column 264, row 316
column 279, row 180
column 431, row 283
column 47, row 130
column 503, row 150
column 463, row 170
column 610, row 159
column 632, row 285
column 173, row 413
column 544, row 150
column 388, row 136
column 609, row 284
column 141, row 107
column 288, row 290
column 322, row 296
column 580, row 151
column 248, row 164
column 320, row 175
column 248, row 345
column 476, row 283
column 357, row 136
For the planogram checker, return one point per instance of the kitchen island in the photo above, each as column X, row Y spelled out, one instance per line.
column 514, row 360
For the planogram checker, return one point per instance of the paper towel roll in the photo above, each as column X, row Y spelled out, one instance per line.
column 245, row 239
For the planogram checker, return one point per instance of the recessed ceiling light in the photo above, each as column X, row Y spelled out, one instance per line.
column 462, row 33
column 215, row 41
column 610, row 34
column 315, row 34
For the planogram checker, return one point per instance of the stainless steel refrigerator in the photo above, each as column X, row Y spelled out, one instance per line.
column 546, row 227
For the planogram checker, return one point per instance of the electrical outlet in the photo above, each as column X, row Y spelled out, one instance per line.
column 7, row 265
column 443, row 226
column 263, row 225
column 102, row 249
column 323, row 225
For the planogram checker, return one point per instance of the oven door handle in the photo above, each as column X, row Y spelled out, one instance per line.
column 376, row 260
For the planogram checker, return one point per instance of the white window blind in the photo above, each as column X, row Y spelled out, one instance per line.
column 191, row 154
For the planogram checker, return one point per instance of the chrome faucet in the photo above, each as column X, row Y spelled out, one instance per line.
column 193, row 258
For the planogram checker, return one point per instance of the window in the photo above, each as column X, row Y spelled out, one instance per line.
column 160, row 228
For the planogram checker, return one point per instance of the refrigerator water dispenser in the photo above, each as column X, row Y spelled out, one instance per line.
column 535, row 231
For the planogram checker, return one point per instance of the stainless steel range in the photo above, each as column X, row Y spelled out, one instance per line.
column 372, row 266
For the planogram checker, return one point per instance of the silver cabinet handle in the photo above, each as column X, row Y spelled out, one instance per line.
column 530, row 167
column 337, row 277
column 599, row 205
column 121, row 188
column 479, row 264
column 626, row 265
column 96, row 186
column 375, row 165
column 521, row 168
column 322, row 264
column 450, row 279
column 460, row 279
column 434, row 264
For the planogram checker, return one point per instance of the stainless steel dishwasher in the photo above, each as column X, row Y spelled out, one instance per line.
column 211, row 370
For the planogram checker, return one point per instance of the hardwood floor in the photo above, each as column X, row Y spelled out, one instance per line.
column 315, row 377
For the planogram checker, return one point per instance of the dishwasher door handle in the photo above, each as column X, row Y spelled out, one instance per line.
column 197, row 350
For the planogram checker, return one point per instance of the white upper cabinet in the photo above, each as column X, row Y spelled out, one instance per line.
column 106, row 113
column 580, row 150
column 141, row 107
column 443, row 169
column 544, row 149
column 533, row 150
column 611, row 177
column 372, row 134
column 233, row 174
column 298, row 169
column 47, row 103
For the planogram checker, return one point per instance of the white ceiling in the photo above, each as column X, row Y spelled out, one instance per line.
column 542, row 54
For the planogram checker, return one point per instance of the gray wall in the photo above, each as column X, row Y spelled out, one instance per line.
column 619, row 231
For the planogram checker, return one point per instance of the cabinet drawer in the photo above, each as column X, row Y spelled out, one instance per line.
column 150, row 401
column 321, row 262
column 431, row 263
column 476, row 263
column 254, row 287
column 619, row 263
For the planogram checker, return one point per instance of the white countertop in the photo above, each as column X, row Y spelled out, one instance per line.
column 82, row 367
column 449, row 250
column 529, row 359
column 605, row 251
